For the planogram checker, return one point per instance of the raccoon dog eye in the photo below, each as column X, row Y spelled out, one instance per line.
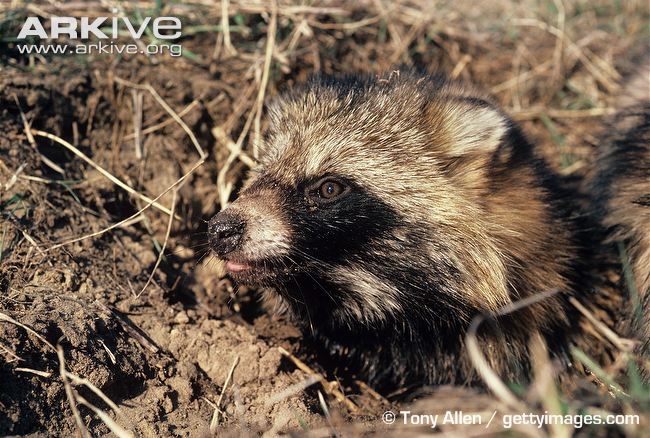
column 328, row 190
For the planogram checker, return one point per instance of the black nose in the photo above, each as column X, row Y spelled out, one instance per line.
column 225, row 231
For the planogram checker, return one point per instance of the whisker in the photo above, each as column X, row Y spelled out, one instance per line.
column 177, row 251
column 327, row 293
column 204, row 255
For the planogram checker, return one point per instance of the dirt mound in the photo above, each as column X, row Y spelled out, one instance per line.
column 160, row 355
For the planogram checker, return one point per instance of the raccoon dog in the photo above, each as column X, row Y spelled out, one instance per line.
column 386, row 213
column 622, row 192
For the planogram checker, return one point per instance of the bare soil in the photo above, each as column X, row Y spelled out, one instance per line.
column 164, row 356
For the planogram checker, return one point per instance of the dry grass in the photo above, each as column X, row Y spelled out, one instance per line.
column 555, row 66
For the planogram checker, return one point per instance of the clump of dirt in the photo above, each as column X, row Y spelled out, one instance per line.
column 193, row 349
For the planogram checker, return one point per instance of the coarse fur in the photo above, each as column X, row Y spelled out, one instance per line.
column 622, row 189
column 446, row 211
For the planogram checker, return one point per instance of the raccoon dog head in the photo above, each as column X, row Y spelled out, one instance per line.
column 381, row 201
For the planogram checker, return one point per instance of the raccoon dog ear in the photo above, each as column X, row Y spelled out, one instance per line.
column 473, row 126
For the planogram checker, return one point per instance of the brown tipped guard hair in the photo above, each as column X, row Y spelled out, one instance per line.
column 622, row 189
column 386, row 213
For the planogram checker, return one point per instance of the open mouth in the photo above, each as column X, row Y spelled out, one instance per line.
column 258, row 272
column 238, row 267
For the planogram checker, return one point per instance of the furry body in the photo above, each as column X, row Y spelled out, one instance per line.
column 622, row 191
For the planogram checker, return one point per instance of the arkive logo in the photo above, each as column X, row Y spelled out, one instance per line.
column 83, row 27
column 104, row 32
